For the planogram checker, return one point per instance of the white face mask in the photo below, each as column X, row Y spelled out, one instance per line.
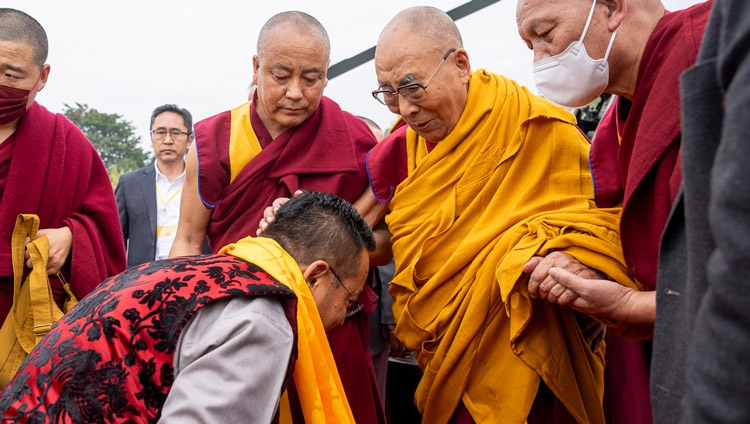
column 572, row 78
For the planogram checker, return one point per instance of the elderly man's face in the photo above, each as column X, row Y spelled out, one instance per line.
column 290, row 76
column 403, row 58
column 549, row 26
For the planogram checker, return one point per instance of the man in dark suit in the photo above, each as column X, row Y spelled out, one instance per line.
column 148, row 199
column 702, row 335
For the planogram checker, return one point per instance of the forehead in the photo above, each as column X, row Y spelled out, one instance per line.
column 293, row 48
column 364, row 268
column 169, row 119
column 530, row 13
column 17, row 56
column 402, row 56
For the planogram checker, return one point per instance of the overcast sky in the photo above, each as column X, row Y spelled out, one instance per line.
column 130, row 56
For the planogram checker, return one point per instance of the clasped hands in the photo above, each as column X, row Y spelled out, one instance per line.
column 561, row 279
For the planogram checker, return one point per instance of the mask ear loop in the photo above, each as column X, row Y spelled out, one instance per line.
column 588, row 22
column 611, row 42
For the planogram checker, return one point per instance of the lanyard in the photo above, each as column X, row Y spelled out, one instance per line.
column 166, row 202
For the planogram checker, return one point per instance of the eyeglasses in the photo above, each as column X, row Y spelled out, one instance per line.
column 414, row 92
column 354, row 306
column 177, row 135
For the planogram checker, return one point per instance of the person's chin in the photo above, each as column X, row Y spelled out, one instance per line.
column 429, row 131
column 292, row 119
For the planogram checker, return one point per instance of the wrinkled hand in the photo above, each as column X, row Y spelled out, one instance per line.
column 60, row 243
column 603, row 298
column 270, row 212
column 540, row 282
column 389, row 335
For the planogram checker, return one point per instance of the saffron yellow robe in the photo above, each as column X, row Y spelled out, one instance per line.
column 509, row 182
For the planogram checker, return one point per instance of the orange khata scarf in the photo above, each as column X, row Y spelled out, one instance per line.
column 316, row 378
column 509, row 182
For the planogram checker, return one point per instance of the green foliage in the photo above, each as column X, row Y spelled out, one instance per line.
column 113, row 137
column 114, row 175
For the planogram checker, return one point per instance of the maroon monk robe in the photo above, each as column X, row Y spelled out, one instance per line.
column 642, row 172
column 324, row 153
column 56, row 173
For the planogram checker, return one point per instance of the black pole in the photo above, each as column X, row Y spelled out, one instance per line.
column 347, row 65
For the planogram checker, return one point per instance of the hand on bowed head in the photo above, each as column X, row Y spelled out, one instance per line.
column 60, row 243
column 270, row 212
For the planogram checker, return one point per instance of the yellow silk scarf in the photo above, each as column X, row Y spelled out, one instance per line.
column 509, row 182
column 315, row 375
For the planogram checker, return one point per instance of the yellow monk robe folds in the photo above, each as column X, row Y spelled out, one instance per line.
column 316, row 379
column 509, row 182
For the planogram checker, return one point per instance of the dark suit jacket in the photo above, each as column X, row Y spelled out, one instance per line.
column 136, row 202
column 700, row 369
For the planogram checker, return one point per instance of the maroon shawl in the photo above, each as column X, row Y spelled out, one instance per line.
column 325, row 153
column 57, row 174
column 642, row 170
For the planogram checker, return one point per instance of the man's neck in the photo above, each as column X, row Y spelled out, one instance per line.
column 7, row 130
column 637, row 33
column 273, row 127
column 171, row 170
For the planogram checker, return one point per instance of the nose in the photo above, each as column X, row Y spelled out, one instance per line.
column 405, row 107
column 294, row 90
column 539, row 55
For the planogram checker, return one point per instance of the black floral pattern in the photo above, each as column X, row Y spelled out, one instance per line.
column 110, row 358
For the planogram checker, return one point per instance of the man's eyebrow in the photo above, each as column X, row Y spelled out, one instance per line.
column 407, row 79
column 281, row 67
column 7, row 66
column 312, row 71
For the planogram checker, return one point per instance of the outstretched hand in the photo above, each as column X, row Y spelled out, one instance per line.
column 595, row 297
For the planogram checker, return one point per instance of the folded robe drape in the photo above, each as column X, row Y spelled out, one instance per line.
column 509, row 182
column 55, row 173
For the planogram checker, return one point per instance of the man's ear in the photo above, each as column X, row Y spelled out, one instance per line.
column 617, row 10
column 256, row 68
column 462, row 62
column 314, row 273
column 43, row 77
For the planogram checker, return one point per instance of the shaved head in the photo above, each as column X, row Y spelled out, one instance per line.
column 432, row 24
column 422, row 45
column 18, row 27
column 299, row 21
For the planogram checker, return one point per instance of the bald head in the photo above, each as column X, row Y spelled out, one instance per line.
column 18, row 27
column 433, row 25
column 422, row 47
column 292, row 20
